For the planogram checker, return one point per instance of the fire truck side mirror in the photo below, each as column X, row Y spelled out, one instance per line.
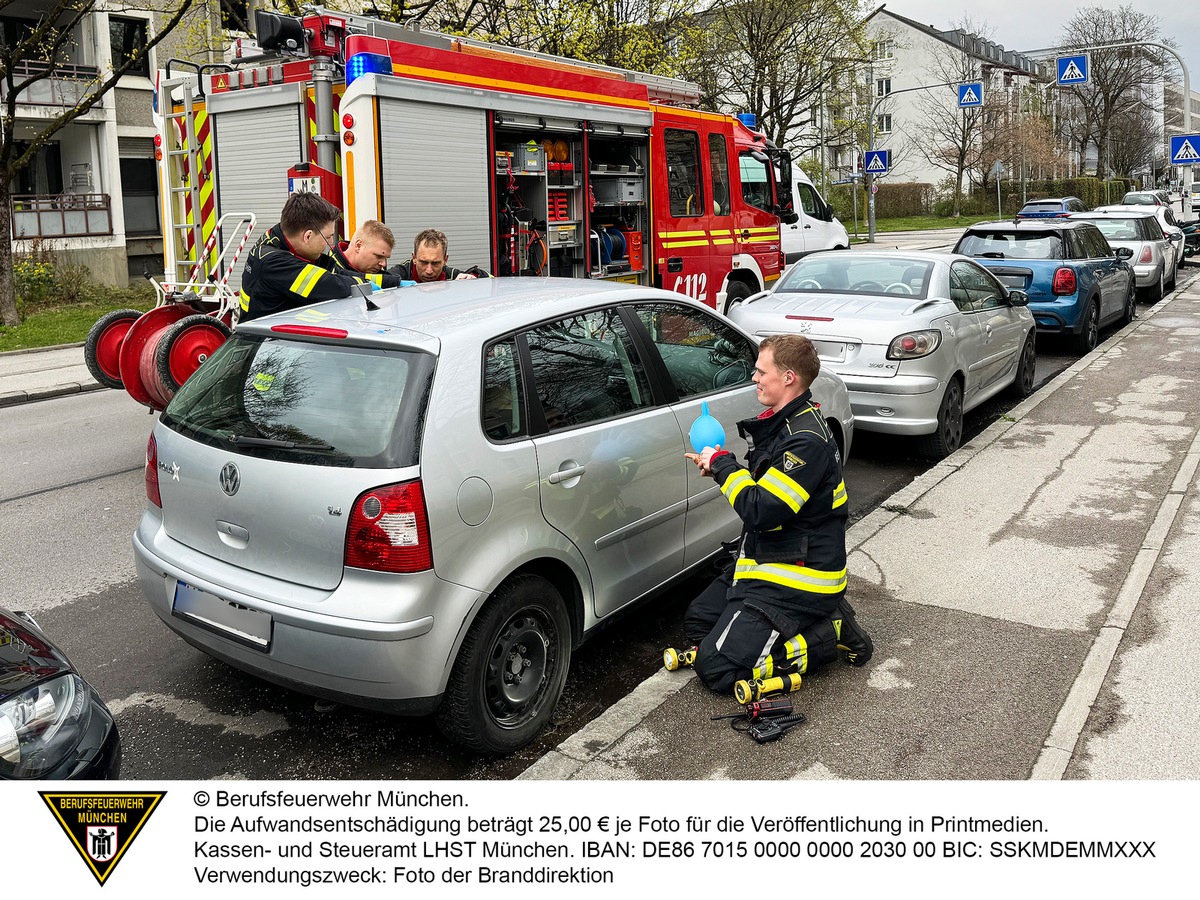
column 277, row 32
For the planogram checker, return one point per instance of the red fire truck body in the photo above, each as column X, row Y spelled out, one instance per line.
column 531, row 164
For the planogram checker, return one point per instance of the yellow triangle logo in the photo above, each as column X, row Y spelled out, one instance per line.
column 102, row 825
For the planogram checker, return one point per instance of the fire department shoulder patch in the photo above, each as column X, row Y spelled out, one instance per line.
column 102, row 825
column 791, row 461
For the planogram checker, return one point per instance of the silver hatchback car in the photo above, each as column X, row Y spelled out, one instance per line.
column 426, row 506
column 919, row 338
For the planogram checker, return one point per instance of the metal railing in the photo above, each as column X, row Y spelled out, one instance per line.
column 60, row 215
column 66, row 85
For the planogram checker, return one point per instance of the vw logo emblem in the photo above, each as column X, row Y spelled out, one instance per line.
column 231, row 479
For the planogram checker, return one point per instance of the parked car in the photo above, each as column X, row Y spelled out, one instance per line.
column 425, row 507
column 817, row 228
column 1146, row 198
column 1195, row 194
column 918, row 338
column 1055, row 208
column 52, row 723
column 1170, row 226
column 1153, row 254
column 1076, row 283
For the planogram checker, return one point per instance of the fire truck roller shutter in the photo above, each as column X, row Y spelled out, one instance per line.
column 254, row 149
column 435, row 175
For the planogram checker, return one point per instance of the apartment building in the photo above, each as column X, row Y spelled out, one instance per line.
column 91, row 192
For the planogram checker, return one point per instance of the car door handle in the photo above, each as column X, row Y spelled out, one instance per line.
column 674, row 263
column 566, row 474
column 745, row 234
column 808, row 226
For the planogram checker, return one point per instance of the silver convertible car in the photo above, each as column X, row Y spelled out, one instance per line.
column 423, row 504
column 918, row 338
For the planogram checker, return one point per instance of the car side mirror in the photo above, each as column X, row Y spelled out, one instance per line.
column 1125, row 252
column 1018, row 298
column 789, row 217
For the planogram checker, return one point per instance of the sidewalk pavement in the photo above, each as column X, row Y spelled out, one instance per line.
column 1031, row 600
column 27, row 375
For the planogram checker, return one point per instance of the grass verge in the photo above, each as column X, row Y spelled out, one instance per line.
column 67, row 323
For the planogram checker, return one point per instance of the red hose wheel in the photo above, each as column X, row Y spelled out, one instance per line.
column 145, row 330
column 186, row 345
column 102, row 352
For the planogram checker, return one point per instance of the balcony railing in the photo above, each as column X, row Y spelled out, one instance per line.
column 66, row 85
column 62, row 215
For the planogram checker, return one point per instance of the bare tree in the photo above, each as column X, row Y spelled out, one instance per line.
column 1133, row 141
column 34, row 57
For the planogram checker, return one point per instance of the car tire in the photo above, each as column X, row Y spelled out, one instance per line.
column 102, row 351
column 1154, row 292
column 1022, row 385
column 1129, row 313
column 737, row 292
column 511, row 669
column 1089, row 335
column 948, row 436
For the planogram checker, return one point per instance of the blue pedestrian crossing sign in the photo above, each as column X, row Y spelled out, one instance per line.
column 877, row 162
column 1073, row 70
column 1185, row 150
column 970, row 94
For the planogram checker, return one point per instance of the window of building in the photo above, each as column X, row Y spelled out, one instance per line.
column 44, row 173
column 885, row 49
column 139, row 195
column 883, row 87
column 883, row 123
column 129, row 38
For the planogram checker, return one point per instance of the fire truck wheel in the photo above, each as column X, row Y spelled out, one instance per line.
column 102, row 352
column 737, row 292
column 511, row 669
column 187, row 344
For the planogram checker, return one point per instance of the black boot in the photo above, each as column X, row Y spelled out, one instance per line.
column 853, row 641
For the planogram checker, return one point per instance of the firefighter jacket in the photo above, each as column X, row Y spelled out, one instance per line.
column 379, row 279
column 276, row 279
column 449, row 273
column 792, row 503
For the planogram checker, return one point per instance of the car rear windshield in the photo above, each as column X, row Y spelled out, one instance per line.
column 311, row 403
column 845, row 273
column 1011, row 245
column 1139, row 200
column 1119, row 229
column 1049, row 206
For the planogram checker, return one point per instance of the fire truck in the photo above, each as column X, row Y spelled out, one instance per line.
column 531, row 164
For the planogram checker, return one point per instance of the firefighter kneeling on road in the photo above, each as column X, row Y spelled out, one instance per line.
column 783, row 607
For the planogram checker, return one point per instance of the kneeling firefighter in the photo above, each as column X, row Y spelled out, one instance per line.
column 782, row 609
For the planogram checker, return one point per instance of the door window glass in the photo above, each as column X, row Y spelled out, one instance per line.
column 683, row 173
column 701, row 353
column 983, row 290
column 586, row 369
column 503, row 396
column 808, row 200
column 756, row 187
column 718, row 161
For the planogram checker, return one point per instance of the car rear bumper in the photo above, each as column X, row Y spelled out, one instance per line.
column 902, row 404
column 1147, row 276
column 396, row 660
column 1059, row 316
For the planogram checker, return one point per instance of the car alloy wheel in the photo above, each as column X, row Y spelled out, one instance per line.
column 1130, row 311
column 948, row 437
column 1026, row 368
column 1089, row 335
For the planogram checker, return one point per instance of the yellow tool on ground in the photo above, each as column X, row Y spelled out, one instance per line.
column 676, row 659
column 749, row 691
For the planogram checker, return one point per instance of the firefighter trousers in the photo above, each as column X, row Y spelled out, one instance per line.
column 737, row 640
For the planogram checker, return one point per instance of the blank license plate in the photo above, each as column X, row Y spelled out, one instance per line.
column 248, row 626
column 1013, row 281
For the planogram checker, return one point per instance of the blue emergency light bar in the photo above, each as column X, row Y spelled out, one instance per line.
column 750, row 120
column 365, row 64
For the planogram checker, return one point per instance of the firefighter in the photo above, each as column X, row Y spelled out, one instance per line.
column 431, row 250
column 368, row 252
column 782, row 608
column 291, row 265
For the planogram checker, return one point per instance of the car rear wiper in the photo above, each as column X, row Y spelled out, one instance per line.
column 994, row 254
column 245, row 440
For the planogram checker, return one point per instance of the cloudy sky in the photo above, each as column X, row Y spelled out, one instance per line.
column 1033, row 24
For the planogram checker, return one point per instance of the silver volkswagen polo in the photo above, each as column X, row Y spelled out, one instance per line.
column 424, row 507
column 919, row 338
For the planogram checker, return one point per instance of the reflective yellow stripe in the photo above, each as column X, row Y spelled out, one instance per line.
column 800, row 578
column 720, row 241
column 784, row 488
column 685, row 243
column 375, row 280
column 765, row 670
column 306, row 280
column 770, row 278
column 764, row 239
column 735, row 484
column 797, row 648
column 245, row 302
column 762, row 230
column 839, row 494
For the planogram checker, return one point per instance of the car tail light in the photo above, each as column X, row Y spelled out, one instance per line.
column 1147, row 255
column 914, row 345
column 1064, row 282
column 389, row 530
column 152, row 493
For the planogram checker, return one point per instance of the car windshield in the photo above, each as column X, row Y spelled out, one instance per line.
column 1011, row 245
column 1139, row 200
column 304, row 402
column 845, row 273
column 1118, row 229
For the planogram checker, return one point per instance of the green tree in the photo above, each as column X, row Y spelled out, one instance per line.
column 32, row 57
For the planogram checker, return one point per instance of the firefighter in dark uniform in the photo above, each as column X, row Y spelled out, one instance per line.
column 431, row 251
column 782, row 608
column 367, row 252
column 291, row 265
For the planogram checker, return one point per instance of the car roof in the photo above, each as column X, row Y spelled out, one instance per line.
column 1051, row 200
column 1130, row 208
column 1027, row 224
column 473, row 310
column 1125, row 212
column 932, row 256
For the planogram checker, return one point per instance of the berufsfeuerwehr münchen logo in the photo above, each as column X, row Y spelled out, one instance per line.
column 101, row 824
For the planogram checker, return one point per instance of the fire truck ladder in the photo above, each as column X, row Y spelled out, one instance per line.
column 185, row 173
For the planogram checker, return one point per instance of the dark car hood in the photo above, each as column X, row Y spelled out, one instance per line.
column 26, row 656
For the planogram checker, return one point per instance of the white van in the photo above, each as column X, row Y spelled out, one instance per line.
column 817, row 228
column 1196, row 196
